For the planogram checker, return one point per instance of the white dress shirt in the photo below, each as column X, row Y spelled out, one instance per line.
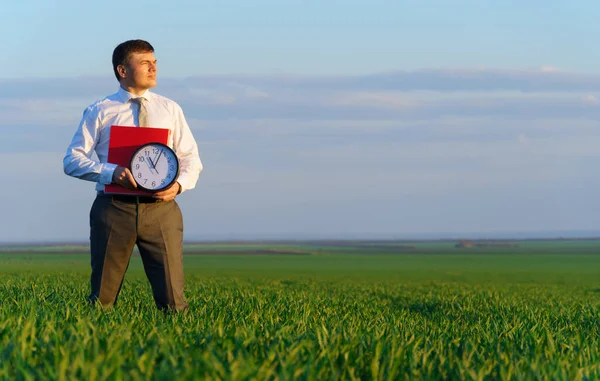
column 117, row 110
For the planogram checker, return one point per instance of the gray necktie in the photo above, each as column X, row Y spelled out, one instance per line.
column 142, row 113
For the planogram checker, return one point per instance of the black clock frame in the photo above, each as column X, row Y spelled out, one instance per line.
column 141, row 148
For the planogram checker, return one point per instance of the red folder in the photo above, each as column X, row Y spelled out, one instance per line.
column 123, row 143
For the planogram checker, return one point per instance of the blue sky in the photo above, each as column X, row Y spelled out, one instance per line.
column 66, row 38
column 323, row 118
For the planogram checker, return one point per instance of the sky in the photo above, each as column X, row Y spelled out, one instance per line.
column 322, row 119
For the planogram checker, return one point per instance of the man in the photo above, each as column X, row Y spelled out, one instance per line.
column 119, row 222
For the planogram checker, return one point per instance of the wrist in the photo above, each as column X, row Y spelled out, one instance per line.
column 108, row 173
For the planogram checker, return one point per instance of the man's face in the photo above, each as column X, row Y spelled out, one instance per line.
column 140, row 73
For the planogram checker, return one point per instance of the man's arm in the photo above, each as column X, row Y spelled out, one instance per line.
column 190, row 165
column 186, row 149
column 78, row 159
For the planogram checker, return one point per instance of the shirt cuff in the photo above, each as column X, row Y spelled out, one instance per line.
column 106, row 173
column 184, row 183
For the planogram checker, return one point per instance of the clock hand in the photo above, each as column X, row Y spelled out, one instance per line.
column 160, row 153
column 153, row 166
column 155, row 158
column 156, row 161
column 157, row 155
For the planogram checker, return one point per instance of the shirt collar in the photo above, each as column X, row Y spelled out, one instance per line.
column 126, row 95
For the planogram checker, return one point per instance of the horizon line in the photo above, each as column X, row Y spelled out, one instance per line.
column 592, row 235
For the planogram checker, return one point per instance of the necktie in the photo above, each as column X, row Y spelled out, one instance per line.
column 142, row 113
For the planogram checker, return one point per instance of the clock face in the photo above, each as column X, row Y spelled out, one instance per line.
column 154, row 167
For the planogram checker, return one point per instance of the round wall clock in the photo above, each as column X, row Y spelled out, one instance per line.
column 154, row 167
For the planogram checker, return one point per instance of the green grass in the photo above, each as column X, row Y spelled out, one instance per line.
column 532, row 313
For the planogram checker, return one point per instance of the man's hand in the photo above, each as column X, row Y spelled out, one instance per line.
column 124, row 178
column 169, row 193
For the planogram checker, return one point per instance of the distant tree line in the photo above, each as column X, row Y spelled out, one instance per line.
column 469, row 244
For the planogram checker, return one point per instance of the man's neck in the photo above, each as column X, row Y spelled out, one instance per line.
column 133, row 90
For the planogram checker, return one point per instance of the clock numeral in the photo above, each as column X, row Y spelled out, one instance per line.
column 171, row 167
column 145, row 181
column 154, row 183
column 169, row 160
column 137, row 166
column 162, row 181
column 139, row 175
column 147, row 152
column 155, row 150
column 141, row 159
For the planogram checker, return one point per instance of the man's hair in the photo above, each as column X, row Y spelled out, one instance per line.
column 124, row 50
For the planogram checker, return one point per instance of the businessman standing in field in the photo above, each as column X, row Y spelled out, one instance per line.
column 119, row 222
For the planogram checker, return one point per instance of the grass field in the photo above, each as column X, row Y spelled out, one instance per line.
column 316, row 311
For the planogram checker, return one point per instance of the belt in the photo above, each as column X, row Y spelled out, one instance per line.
column 130, row 199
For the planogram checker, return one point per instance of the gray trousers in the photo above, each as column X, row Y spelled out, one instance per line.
column 117, row 224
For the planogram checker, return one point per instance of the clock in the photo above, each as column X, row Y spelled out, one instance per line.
column 154, row 167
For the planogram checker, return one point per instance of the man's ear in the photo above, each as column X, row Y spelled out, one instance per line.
column 122, row 72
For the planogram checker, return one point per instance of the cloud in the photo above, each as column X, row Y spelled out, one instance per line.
column 49, row 112
column 549, row 69
column 590, row 99
column 422, row 94
column 427, row 150
column 375, row 100
column 522, row 139
column 544, row 79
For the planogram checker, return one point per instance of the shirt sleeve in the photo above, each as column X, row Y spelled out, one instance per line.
column 78, row 160
column 186, row 149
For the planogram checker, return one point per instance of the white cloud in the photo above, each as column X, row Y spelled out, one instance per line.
column 405, row 150
column 549, row 69
column 223, row 99
column 590, row 99
column 247, row 91
column 522, row 139
column 375, row 100
column 48, row 112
